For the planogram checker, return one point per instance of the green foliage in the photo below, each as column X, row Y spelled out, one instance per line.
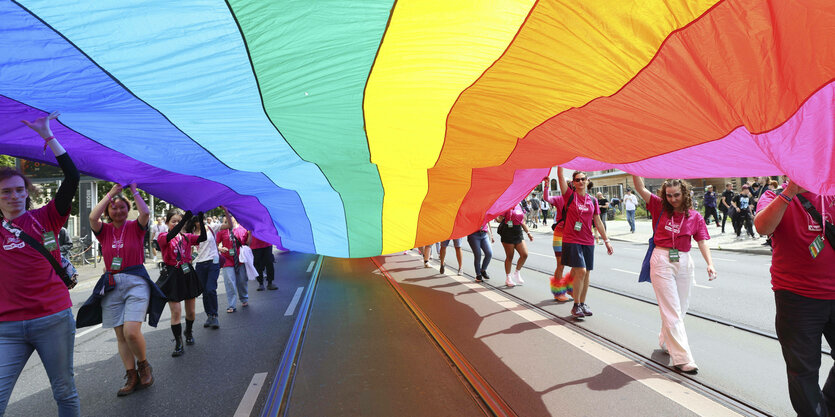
column 7, row 161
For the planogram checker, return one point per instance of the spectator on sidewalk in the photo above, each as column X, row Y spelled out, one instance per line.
column 578, row 242
column 630, row 203
column 743, row 213
column 544, row 209
column 725, row 204
column 603, row 203
column 156, row 229
column 804, row 291
column 710, row 205
column 35, row 305
column 535, row 206
column 671, row 267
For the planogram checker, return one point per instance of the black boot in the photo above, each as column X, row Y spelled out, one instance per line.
column 177, row 329
column 189, row 334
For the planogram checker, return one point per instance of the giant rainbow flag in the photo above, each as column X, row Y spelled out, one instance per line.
column 355, row 128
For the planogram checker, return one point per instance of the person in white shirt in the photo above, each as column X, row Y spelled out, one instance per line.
column 207, row 267
column 156, row 229
column 630, row 203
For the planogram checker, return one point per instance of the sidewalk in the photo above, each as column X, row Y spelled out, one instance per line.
column 619, row 231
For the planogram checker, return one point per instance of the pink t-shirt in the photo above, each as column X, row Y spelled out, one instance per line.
column 224, row 239
column 29, row 286
column 582, row 209
column 127, row 242
column 181, row 244
column 258, row 243
column 515, row 215
column 677, row 227
column 792, row 265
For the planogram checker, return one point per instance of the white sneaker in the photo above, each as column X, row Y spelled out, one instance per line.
column 518, row 277
column 509, row 281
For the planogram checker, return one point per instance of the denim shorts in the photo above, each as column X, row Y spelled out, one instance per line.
column 455, row 242
column 577, row 255
column 127, row 302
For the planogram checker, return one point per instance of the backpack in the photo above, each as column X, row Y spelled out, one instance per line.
column 561, row 219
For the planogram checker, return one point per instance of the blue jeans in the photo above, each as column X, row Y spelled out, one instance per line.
column 480, row 242
column 800, row 322
column 53, row 337
column 207, row 273
column 235, row 281
column 630, row 218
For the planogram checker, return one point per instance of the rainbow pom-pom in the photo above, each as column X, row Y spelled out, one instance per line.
column 564, row 285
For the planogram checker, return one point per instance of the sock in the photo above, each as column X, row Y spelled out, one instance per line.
column 189, row 323
column 177, row 329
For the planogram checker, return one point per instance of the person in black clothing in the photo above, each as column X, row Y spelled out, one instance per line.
column 603, row 203
column 725, row 203
column 743, row 213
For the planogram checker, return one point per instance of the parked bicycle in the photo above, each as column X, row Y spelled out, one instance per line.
column 81, row 252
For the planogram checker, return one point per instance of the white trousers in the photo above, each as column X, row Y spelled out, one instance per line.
column 672, row 282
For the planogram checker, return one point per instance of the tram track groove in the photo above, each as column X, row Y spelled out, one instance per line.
column 491, row 403
column 703, row 316
column 709, row 391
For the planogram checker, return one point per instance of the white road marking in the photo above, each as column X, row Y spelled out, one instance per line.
column 310, row 267
column 96, row 327
column 701, row 286
column 292, row 307
column 251, row 395
column 551, row 256
column 628, row 272
column 682, row 395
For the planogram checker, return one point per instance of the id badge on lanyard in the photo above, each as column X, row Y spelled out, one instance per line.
column 578, row 226
column 49, row 241
column 186, row 268
column 816, row 247
column 674, row 255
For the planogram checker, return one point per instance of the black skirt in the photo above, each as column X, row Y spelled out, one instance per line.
column 177, row 285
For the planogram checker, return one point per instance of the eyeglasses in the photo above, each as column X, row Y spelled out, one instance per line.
column 580, row 179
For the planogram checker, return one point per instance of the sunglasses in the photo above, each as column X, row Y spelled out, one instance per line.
column 580, row 179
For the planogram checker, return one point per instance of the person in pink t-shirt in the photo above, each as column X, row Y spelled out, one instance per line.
column 671, row 266
column 803, row 281
column 578, row 242
column 230, row 240
column 123, row 308
column 35, row 306
column 511, row 224
column 178, row 279
column 560, row 285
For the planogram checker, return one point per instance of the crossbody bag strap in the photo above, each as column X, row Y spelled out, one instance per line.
column 829, row 229
column 565, row 208
column 29, row 240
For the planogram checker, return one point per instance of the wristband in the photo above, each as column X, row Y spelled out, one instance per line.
column 45, row 142
column 606, row 241
column 136, row 193
column 786, row 199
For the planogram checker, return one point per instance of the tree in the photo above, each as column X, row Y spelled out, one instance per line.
column 7, row 161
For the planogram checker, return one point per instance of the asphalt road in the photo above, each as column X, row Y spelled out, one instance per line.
column 209, row 380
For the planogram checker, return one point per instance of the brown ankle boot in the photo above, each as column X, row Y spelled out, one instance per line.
column 130, row 385
column 146, row 376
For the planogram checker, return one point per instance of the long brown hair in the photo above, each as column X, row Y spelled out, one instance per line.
column 9, row 172
column 686, row 200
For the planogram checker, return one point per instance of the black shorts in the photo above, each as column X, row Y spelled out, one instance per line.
column 512, row 234
column 156, row 245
